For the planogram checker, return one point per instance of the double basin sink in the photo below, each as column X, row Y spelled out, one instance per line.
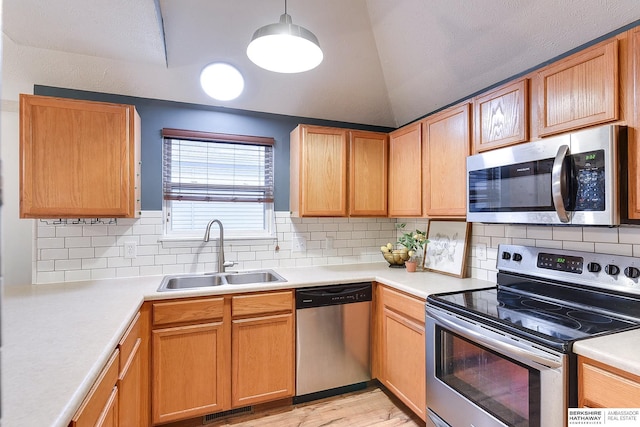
column 193, row 281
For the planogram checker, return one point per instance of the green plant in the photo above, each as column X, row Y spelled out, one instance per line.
column 413, row 241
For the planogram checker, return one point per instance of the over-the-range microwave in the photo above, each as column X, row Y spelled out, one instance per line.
column 567, row 179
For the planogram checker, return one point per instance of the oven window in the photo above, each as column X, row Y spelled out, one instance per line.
column 507, row 389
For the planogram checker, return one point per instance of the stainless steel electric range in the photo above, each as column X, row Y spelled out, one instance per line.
column 502, row 356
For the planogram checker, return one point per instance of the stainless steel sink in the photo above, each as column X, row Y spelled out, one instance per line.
column 192, row 281
column 263, row 276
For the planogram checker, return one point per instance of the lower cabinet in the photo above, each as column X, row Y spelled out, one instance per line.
column 214, row 354
column 188, row 360
column 603, row 386
column 400, row 347
column 119, row 396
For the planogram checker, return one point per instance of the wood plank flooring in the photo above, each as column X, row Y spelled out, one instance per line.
column 369, row 407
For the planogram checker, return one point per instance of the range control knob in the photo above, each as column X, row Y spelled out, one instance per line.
column 632, row 272
column 612, row 269
column 593, row 267
column 517, row 257
column 506, row 255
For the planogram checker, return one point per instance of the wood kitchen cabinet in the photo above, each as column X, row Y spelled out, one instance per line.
column 501, row 116
column 368, row 164
column 580, row 90
column 78, row 159
column 318, row 182
column 399, row 352
column 446, row 144
column 262, row 347
column 100, row 407
column 190, row 359
column 405, row 171
column 603, row 386
column 633, row 134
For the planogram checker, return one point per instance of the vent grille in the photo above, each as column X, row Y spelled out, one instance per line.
column 207, row 419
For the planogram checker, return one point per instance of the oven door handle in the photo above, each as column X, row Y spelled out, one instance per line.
column 559, row 183
column 496, row 345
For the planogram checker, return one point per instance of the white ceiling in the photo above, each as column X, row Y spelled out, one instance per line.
column 386, row 62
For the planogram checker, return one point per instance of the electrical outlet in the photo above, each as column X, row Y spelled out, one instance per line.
column 130, row 250
column 481, row 251
column 299, row 244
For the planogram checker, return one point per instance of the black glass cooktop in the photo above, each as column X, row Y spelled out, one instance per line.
column 555, row 315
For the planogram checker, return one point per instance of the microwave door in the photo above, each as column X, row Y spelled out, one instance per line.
column 560, row 183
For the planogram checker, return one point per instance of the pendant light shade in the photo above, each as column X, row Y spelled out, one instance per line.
column 284, row 47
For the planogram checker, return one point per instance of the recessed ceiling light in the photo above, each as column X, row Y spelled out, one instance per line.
column 221, row 81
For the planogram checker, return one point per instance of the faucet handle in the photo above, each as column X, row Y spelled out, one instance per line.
column 229, row 263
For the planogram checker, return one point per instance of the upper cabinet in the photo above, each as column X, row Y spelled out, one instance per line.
column 338, row 172
column 368, row 164
column 78, row 159
column 405, row 171
column 579, row 91
column 446, row 145
column 318, row 183
column 501, row 117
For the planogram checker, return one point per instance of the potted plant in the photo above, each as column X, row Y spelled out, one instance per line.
column 412, row 243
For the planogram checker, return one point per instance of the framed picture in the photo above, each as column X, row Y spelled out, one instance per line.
column 446, row 251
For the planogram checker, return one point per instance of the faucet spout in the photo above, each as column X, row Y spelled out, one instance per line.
column 221, row 264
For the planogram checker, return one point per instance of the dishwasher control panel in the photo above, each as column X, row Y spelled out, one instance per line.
column 333, row 295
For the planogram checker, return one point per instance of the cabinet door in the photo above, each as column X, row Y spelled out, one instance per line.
column 109, row 417
column 263, row 359
column 402, row 348
column 447, row 141
column 633, row 146
column 579, row 91
column 368, row 162
column 501, row 117
column 78, row 159
column 188, row 368
column 318, row 171
column 602, row 386
column 131, row 390
column 100, row 405
column 405, row 172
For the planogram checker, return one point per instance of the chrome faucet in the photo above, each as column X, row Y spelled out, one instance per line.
column 222, row 265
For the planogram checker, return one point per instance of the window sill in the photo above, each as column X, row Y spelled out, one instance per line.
column 177, row 239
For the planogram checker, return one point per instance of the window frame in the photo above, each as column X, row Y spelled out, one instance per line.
column 230, row 234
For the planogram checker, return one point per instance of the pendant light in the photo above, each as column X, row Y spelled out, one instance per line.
column 284, row 47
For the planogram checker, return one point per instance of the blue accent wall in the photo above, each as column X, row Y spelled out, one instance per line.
column 157, row 114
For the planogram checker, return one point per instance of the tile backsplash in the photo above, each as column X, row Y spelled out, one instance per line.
column 82, row 252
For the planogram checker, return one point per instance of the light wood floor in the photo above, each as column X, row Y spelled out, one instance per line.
column 369, row 407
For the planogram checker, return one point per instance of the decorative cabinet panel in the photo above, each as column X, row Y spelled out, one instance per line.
column 189, row 361
column 603, row 386
column 579, row 91
column 262, row 347
column 405, row 171
column 447, row 143
column 501, row 117
column 368, row 164
column 400, row 348
column 634, row 131
column 318, row 183
column 78, row 159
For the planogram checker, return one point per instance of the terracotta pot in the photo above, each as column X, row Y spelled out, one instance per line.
column 411, row 266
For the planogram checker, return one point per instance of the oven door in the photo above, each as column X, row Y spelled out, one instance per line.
column 478, row 376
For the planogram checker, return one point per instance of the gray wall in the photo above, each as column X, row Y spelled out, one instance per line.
column 157, row 114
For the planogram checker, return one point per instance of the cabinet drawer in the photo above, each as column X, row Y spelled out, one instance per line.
column 99, row 396
column 187, row 311
column 129, row 340
column 272, row 302
column 409, row 306
column 601, row 387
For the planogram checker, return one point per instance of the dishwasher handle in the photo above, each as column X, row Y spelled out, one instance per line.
column 333, row 295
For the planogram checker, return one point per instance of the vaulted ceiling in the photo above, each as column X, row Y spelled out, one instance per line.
column 386, row 62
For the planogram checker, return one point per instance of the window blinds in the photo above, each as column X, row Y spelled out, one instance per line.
column 208, row 167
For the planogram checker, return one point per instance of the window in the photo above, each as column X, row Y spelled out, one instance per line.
column 226, row 177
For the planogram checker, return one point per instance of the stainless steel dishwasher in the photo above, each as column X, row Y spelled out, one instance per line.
column 333, row 344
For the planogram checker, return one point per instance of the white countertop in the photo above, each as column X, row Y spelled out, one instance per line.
column 57, row 337
column 621, row 350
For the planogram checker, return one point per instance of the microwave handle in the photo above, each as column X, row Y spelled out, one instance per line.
column 559, row 183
